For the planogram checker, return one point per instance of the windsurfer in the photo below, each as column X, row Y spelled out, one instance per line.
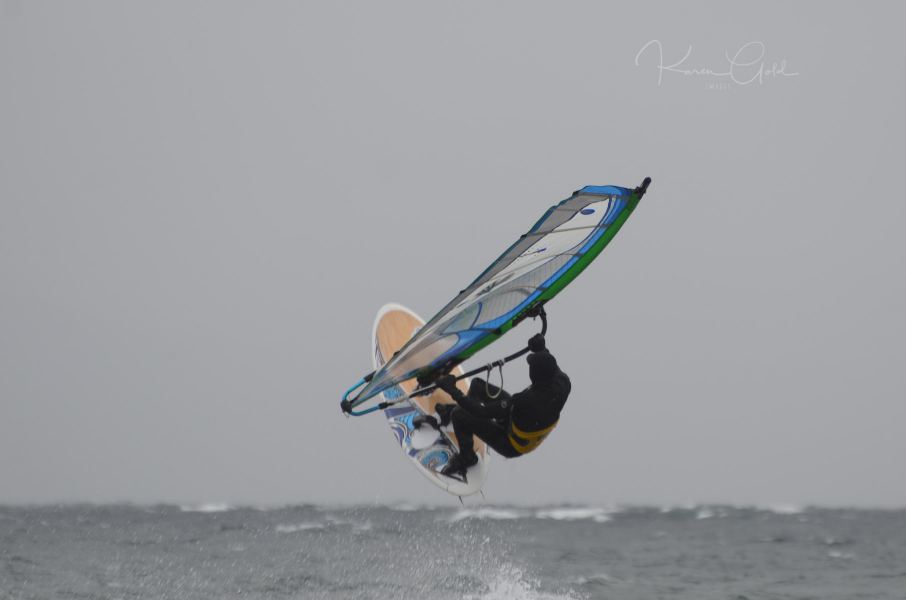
column 512, row 425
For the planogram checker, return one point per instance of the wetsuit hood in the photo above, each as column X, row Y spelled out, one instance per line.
column 542, row 367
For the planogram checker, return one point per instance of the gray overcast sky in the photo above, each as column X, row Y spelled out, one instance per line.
column 203, row 205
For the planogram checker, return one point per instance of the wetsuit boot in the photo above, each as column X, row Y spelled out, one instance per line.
column 428, row 420
column 444, row 411
column 459, row 464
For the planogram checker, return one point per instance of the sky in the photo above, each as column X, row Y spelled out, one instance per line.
column 203, row 205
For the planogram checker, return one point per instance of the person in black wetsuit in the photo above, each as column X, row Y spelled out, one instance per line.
column 512, row 425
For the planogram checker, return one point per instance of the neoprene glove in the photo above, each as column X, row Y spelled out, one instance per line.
column 536, row 343
column 446, row 383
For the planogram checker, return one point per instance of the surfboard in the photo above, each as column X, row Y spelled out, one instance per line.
column 426, row 448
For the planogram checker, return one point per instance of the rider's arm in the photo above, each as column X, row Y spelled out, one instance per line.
column 498, row 408
column 491, row 409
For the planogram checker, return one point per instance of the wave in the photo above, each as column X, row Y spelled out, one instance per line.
column 597, row 514
column 488, row 513
column 783, row 509
column 669, row 508
column 558, row 513
column 704, row 513
column 330, row 523
column 357, row 526
column 707, row 511
column 210, row 507
column 296, row 527
column 510, row 583
column 598, row 579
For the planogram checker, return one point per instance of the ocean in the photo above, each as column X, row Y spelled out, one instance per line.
column 480, row 552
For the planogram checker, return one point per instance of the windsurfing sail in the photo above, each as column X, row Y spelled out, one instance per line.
column 529, row 273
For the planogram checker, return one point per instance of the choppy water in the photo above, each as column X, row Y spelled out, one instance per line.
column 487, row 553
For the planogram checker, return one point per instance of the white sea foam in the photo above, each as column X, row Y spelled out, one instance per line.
column 669, row 508
column 510, row 583
column 597, row 514
column 783, row 509
column 596, row 579
column 296, row 527
column 721, row 510
column 487, row 513
column 704, row 513
column 210, row 507
column 362, row 527
column 356, row 525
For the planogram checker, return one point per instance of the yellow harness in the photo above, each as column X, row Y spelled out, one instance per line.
column 526, row 441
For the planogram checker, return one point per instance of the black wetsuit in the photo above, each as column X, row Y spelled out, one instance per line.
column 512, row 425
